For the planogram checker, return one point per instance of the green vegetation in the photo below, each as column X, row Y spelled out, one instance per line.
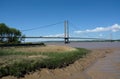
column 9, row 35
column 22, row 44
column 20, row 63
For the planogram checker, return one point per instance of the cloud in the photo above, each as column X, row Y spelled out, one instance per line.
column 113, row 28
column 100, row 35
column 56, row 35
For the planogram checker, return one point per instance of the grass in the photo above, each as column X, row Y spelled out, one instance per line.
column 17, row 63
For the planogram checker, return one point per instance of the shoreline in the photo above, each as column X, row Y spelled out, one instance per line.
column 79, row 67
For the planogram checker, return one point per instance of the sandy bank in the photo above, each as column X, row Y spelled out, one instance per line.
column 73, row 71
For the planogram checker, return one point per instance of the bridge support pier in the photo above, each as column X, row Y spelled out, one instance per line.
column 66, row 40
column 66, row 33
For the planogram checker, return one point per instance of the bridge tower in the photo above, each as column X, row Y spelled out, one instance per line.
column 66, row 32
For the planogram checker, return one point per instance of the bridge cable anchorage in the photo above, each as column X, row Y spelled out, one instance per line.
column 44, row 26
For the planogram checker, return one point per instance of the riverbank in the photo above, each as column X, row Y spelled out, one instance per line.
column 73, row 71
column 19, row 61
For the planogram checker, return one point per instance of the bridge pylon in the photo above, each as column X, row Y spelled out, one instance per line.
column 66, row 32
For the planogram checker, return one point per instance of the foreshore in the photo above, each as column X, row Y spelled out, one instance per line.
column 81, row 69
column 77, row 70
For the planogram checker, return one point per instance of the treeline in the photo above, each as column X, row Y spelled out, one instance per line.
column 9, row 35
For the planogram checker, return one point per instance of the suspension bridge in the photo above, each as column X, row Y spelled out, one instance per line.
column 66, row 35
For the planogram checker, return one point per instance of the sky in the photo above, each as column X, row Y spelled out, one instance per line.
column 86, row 18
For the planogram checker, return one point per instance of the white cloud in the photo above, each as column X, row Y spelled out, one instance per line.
column 100, row 35
column 113, row 28
column 56, row 35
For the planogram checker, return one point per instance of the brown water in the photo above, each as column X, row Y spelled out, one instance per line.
column 106, row 68
column 88, row 45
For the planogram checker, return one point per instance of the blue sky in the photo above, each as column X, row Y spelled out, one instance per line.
column 84, row 16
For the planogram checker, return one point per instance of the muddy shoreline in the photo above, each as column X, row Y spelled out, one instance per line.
column 73, row 71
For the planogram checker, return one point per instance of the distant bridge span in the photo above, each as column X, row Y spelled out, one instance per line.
column 66, row 36
column 60, row 37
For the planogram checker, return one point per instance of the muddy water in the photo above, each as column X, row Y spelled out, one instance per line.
column 88, row 45
column 106, row 68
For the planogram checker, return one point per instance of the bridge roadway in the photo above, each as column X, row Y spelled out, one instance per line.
column 54, row 37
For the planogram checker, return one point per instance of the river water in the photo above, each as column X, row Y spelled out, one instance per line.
column 106, row 68
column 88, row 45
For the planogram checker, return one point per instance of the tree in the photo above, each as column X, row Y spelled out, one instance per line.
column 9, row 35
column 3, row 31
column 14, row 35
